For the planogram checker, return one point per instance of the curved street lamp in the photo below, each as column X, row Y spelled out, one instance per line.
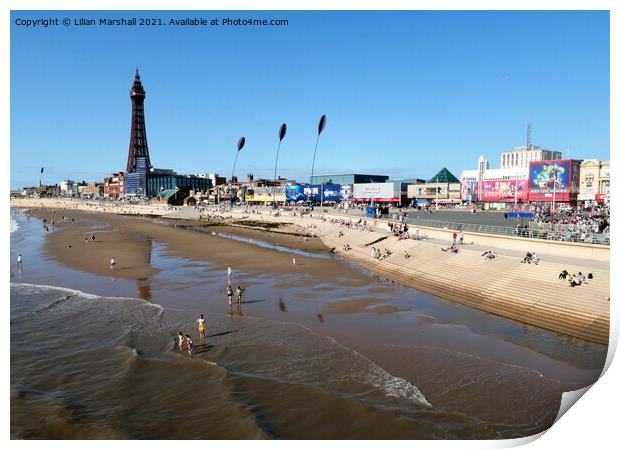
column 322, row 123
column 240, row 145
column 275, row 169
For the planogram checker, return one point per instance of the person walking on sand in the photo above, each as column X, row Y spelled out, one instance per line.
column 294, row 262
column 454, row 238
column 181, row 340
column 239, row 293
column 112, row 263
column 461, row 237
column 202, row 326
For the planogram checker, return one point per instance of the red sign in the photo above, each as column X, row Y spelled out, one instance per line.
column 602, row 198
column 503, row 190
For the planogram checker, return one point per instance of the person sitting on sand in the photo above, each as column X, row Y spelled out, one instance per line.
column 202, row 326
column 451, row 249
column 577, row 280
column 527, row 258
column 181, row 340
column 489, row 254
column 407, row 255
column 563, row 274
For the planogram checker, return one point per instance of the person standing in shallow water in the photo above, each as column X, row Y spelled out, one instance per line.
column 181, row 340
column 190, row 344
column 239, row 293
column 202, row 326
column 229, row 294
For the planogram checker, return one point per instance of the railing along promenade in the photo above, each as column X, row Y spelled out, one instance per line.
column 545, row 231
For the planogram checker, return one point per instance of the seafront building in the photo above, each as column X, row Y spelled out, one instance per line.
column 114, row 185
column 527, row 175
column 520, row 157
column 444, row 187
column 68, row 187
column 593, row 182
column 162, row 179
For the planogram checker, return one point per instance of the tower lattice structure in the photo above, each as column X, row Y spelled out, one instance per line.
column 138, row 160
column 138, row 146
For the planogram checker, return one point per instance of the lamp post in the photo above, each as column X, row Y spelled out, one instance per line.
column 555, row 170
column 322, row 123
column 516, row 193
column 555, row 177
column 275, row 169
column 240, row 145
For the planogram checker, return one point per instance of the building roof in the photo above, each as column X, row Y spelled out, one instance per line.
column 444, row 176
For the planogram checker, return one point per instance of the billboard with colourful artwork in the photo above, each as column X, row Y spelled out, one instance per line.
column 323, row 192
column 469, row 191
column 503, row 190
column 315, row 192
column 554, row 180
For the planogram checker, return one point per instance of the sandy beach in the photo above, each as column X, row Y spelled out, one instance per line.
column 543, row 300
column 321, row 320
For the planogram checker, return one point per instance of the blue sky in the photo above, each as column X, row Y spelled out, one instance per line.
column 405, row 93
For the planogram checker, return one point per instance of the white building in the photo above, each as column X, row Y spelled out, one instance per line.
column 520, row 157
column 68, row 187
column 507, row 179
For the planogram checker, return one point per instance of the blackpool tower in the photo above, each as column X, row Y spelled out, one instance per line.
column 138, row 161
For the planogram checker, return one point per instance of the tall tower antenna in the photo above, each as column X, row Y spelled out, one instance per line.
column 529, row 135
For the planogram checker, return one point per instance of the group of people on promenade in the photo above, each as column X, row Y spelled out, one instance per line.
column 530, row 258
column 574, row 279
column 360, row 224
column 376, row 253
